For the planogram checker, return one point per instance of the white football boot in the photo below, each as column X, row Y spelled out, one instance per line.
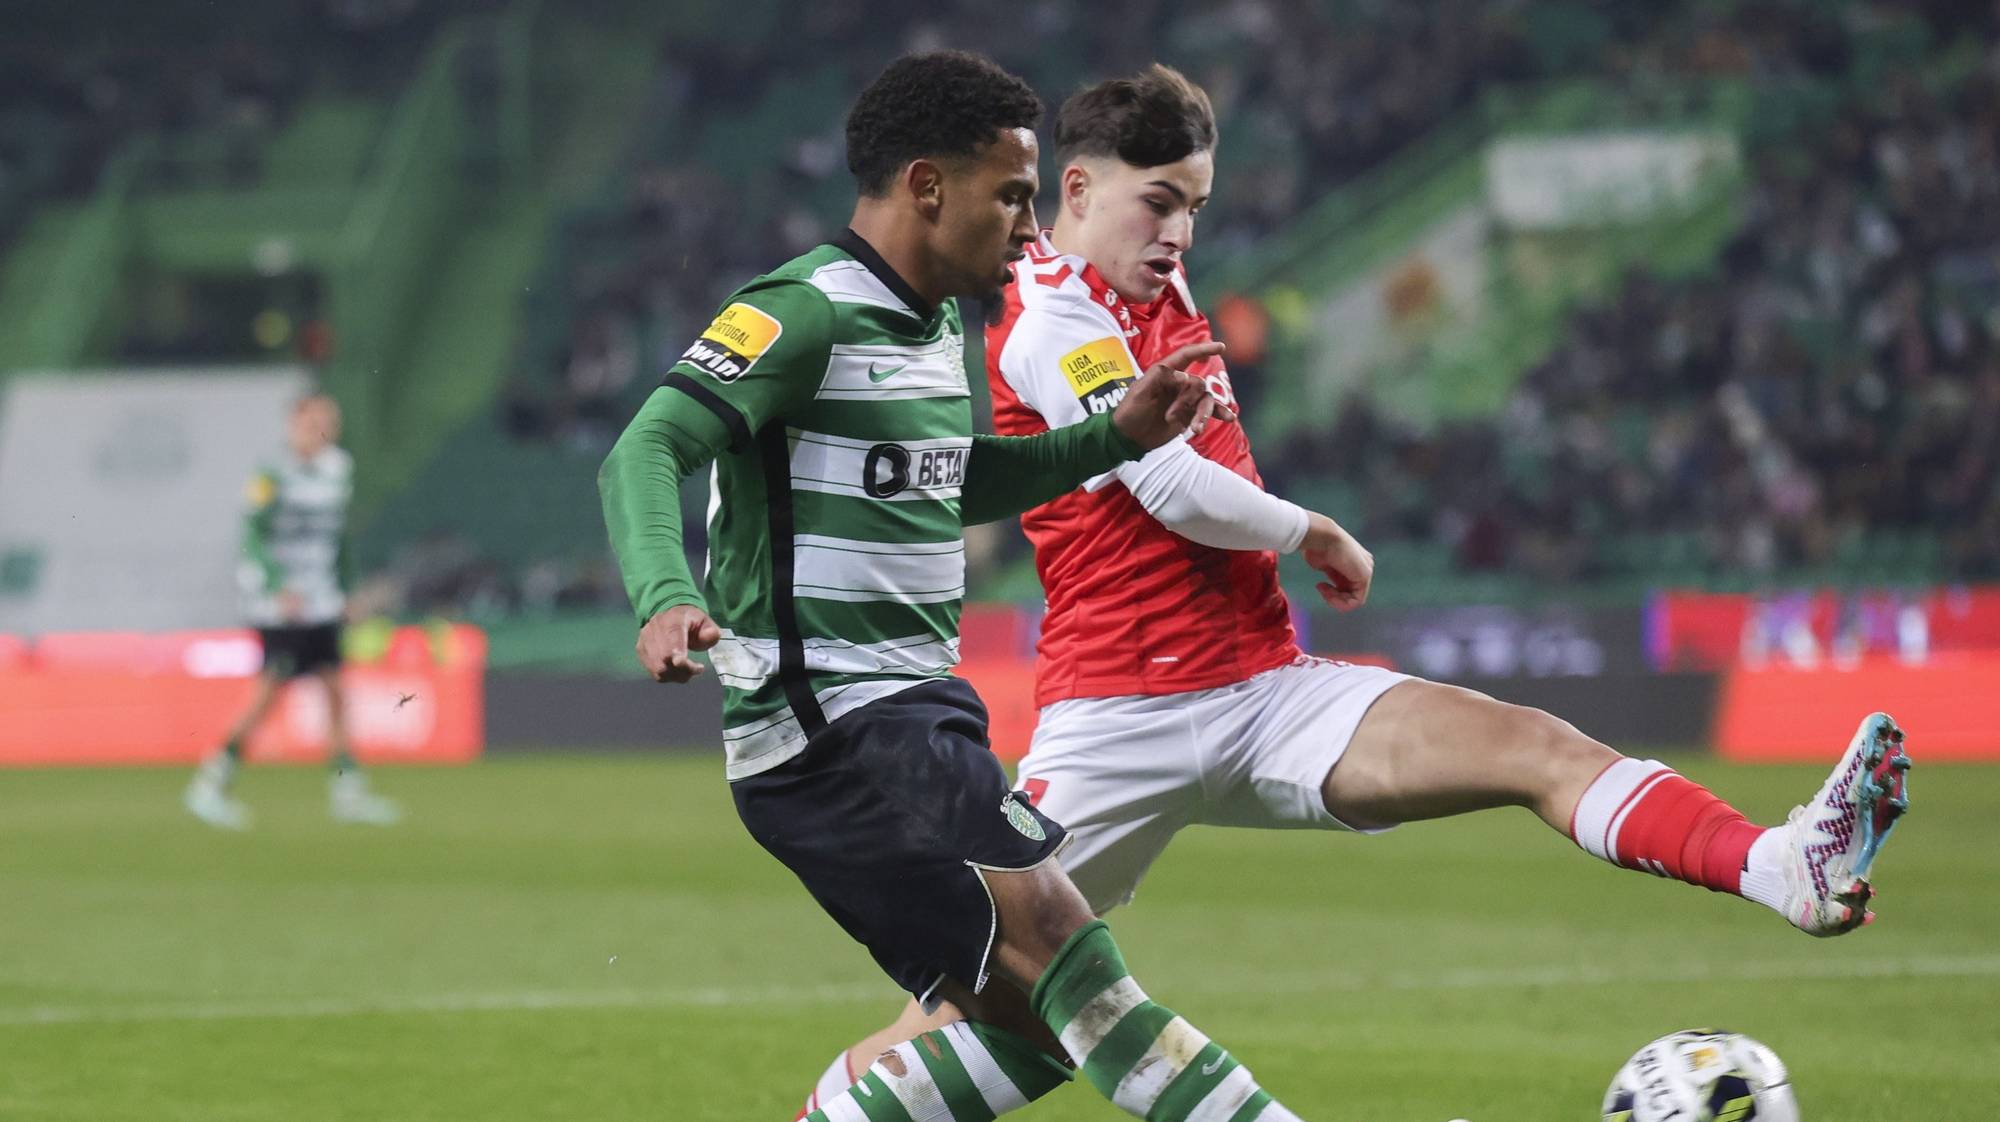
column 207, row 796
column 1834, row 838
column 350, row 800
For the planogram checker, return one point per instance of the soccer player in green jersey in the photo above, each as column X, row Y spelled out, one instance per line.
column 291, row 576
column 830, row 396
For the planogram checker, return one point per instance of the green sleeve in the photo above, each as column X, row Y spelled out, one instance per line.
column 672, row 437
column 1006, row 475
column 257, row 529
column 763, row 355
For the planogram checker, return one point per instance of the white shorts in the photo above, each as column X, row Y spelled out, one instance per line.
column 1124, row 774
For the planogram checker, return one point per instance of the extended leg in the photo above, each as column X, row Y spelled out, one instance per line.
column 1426, row 750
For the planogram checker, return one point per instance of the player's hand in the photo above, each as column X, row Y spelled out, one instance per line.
column 291, row 605
column 668, row 641
column 1169, row 401
column 1349, row 569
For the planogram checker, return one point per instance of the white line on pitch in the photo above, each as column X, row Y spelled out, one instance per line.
column 1931, row 966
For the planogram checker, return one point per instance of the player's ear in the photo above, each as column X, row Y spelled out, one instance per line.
column 923, row 181
column 1076, row 189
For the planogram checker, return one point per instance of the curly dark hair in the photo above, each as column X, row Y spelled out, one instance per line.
column 1154, row 117
column 945, row 103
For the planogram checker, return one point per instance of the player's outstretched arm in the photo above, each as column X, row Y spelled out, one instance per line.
column 1006, row 475
column 1207, row 503
column 639, row 484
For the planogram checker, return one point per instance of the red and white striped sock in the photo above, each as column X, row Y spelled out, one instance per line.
column 1641, row 814
column 838, row 1077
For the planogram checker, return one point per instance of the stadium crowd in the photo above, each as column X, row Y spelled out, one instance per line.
column 216, row 82
column 1309, row 95
column 1833, row 378
column 1836, row 377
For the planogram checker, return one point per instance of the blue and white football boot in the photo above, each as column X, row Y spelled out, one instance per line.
column 1835, row 837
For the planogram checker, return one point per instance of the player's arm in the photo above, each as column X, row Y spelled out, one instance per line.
column 1205, row 502
column 1006, row 475
column 762, row 354
column 1061, row 365
column 260, row 574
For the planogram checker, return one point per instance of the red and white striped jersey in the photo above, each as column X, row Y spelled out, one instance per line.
column 1133, row 608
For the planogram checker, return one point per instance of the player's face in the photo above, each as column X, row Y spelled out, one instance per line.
column 1134, row 223
column 987, row 216
column 314, row 425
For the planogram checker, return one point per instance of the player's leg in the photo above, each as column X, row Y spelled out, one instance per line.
column 349, row 798
column 1141, row 1055
column 348, row 795
column 1106, row 769
column 1081, row 1003
column 1425, row 750
column 900, row 822
column 847, row 1066
column 207, row 796
column 881, row 818
column 339, row 749
column 269, row 682
column 994, row 1062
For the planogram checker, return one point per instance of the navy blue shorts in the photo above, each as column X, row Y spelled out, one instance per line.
column 888, row 816
column 294, row 652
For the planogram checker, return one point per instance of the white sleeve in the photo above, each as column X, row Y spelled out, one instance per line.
column 1067, row 360
column 1210, row 505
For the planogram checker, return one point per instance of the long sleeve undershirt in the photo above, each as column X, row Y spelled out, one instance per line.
column 1208, row 504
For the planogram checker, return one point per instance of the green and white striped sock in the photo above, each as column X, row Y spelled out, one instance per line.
column 963, row 1072
column 1138, row 1053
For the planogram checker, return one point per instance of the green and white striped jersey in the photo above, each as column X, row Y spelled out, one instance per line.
column 837, row 557
column 297, row 514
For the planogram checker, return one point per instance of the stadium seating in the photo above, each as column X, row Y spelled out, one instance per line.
column 514, row 350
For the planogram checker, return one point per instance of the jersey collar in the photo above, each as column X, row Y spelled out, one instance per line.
column 856, row 247
column 1045, row 249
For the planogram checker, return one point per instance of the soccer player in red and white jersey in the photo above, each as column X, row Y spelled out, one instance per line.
column 1171, row 687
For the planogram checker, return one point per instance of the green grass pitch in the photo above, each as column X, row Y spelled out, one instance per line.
column 596, row 938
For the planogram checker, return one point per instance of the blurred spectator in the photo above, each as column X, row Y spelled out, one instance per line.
column 1835, row 385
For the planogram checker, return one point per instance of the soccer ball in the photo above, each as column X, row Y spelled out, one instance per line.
column 1702, row 1075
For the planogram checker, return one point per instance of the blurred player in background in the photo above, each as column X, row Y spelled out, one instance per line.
column 292, row 577
column 831, row 396
column 1172, row 689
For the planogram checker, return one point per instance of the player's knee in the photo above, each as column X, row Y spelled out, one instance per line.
column 1557, row 750
column 1039, row 910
